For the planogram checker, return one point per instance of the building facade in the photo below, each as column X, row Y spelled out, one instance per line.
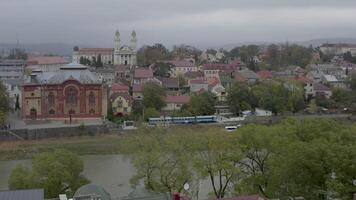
column 72, row 92
column 119, row 55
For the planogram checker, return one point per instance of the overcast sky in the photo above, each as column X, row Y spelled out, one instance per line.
column 199, row 22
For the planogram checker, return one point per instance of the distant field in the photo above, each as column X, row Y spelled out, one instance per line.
column 84, row 145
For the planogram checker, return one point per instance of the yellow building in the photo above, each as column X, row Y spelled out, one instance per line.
column 121, row 104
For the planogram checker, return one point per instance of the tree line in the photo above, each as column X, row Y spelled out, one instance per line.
column 314, row 159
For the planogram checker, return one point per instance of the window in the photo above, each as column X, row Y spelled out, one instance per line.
column 51, row 112
column 51, row 99
column 91, row 99
column 71, row 96
column 91, row 111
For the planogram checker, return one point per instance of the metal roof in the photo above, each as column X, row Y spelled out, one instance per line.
column 30, row 194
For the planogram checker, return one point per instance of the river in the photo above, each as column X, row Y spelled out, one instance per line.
column 112, row 172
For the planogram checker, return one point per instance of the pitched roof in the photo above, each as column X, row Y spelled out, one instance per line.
column 78, row 72
column 248, row 74
column 265, row 74
column 30, row 194
column 125, row 95
column 212, row 82
column 177, row 99
column 46, row 60
column 193, row 74
column 301, row 79
column 137, row 88
column 115, row 87
column 238, row 77
column 143, row 73
column 181, row 63
column 96, row 50
column 170, row 82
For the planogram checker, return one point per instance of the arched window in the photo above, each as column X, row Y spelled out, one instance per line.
column 51, row 99
column 91, row 111
column 91, row 99
column 71, row 96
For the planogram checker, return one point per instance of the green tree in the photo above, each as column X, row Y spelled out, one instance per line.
column 271, row 96
column 162, row 69
column 58, row 172
column 218, row 162
column 202, row 104
column 151, row 54
column 240, row 98
column 151, row 112
column 4, row 103
column 153, row 96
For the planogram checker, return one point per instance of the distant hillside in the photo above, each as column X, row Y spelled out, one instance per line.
column 314, row 42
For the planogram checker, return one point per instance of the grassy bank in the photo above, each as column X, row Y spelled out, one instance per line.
column 84, row 145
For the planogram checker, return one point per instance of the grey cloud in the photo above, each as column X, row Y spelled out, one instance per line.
column 175, row 21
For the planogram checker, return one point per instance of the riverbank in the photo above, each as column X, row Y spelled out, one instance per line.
column 99, row 144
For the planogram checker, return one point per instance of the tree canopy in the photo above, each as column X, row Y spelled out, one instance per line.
column 153, row 96
column 58, row 173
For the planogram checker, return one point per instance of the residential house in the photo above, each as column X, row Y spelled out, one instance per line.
column 137, row 91
column 121, row 103
column 322, row 90
column 333, row 81
column 170, row 84
column 211, row 70
column 197, row 85
column 193, row 75
column 217, row 89
column 142, row 76
column 226, row 79
column 123, row 73
column 181, row 67
column 106, row 74
column 265, row 74
column 175, row 102
column 119, row 87
column 248, row 75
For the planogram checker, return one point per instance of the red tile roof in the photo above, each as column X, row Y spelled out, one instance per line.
column 46, row 60
column 238, row 77
column 301, row 79
column 212, row 82
column 96, row 50
column 265, row 74
column 143, row 73
column 119, row 87
column 178, row 99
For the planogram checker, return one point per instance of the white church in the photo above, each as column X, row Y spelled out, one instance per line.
column 119, row 55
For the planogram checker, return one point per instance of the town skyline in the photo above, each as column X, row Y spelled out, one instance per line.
column 194, row 23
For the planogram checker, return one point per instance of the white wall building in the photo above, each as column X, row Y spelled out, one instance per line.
column 119, row 55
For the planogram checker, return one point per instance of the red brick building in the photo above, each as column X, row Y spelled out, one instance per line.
column 72, row 92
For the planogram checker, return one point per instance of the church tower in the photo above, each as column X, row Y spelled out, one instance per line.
column 133, row 40
column 117, row 41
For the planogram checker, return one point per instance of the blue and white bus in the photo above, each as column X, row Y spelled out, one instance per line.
column 182, row 120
